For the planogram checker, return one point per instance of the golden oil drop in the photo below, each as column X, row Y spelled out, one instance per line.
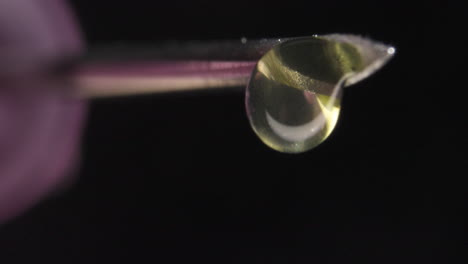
column 293, row 97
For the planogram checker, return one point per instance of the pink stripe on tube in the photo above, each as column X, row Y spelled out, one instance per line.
column 124, row 78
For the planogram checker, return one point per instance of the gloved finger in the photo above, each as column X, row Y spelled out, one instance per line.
column 39, row 128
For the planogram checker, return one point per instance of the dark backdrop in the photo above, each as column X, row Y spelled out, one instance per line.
column 182, row 178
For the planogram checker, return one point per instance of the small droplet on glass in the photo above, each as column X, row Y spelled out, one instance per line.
column 293, row 98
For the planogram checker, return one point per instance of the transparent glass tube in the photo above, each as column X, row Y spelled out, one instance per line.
column 170, row 67
column 293, row 86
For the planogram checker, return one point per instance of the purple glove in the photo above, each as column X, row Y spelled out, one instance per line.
column 39, row 127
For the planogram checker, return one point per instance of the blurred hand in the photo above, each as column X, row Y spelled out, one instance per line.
column 39, row 128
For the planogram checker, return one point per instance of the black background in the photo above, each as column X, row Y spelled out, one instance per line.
column 181, row 178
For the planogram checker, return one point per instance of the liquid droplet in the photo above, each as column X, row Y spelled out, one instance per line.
column 294, row 95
